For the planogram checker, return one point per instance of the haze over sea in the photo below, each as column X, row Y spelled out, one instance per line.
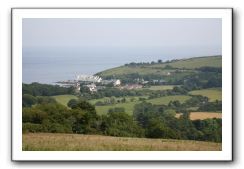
column 49, row 65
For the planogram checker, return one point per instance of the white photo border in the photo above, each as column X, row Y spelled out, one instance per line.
column 16, row 51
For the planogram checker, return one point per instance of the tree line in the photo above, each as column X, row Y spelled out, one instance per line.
column 203, row 77
column 37, row 89
column 148, row 121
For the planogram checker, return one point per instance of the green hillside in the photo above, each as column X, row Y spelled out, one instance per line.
column 165, row 68
column 192, row 63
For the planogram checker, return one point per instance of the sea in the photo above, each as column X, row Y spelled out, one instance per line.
column 49, row 65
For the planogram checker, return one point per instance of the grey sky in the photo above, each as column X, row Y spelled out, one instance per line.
column 172, row 33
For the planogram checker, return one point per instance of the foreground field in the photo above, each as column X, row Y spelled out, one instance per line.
column 76, row 142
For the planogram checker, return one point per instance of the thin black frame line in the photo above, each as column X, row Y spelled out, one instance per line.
column 127, row 161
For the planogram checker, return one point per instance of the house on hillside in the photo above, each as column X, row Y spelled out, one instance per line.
column 92, row 87
column 161, row 81
column 117, row 82
column 77, row 87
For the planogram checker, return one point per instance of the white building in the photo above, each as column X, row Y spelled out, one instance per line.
column 77, row 87
column 117, row 82
column 92, row 87
column 88, row 78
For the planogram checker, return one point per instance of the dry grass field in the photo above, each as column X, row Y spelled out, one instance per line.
column 205, row 115
column 202, row 115
column 78, row 142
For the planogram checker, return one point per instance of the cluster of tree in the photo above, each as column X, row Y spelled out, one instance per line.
column 114, row 93
column 177, row 90
column 203, row 77
column 211, row 106
column 195, row 81
column 29, row 100
column 133, row 77
column 119, row 123
column 203, row 80
column 210, row 69
column 133, row 64
column 56, row 118
column 110, row 101
column 160, row 122
column 37, row 89
column 159, row 61
column 110, row 92
column 201, row 102
column 147, row 121
column 196, row 101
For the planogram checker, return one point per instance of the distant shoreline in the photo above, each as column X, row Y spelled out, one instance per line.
column 70, row 76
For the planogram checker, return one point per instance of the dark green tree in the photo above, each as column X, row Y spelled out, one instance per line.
column 72, row 103
column 28, row 100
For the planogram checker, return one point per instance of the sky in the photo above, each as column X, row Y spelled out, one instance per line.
column 203, row 35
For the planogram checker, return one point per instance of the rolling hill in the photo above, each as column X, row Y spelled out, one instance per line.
column 165, row 68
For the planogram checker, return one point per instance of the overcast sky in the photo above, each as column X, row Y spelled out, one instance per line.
column 172, row 33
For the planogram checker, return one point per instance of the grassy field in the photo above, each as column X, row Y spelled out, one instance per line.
column 192, row 63
column 76, row 142
column 142, row 70
column 202, row 115
column 64, row 99
column 128, row 98
column 165, row 100
column 212, row 93
column 129, row 106
column 160, row 87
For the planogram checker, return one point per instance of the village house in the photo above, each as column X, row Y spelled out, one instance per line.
column 88, row 78
column 92, row 87
column 77, row 87
column 117, row 82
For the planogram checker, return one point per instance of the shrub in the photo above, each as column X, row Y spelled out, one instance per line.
column 33, row 128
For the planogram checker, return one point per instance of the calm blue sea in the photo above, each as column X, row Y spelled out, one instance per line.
column 46, row 65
